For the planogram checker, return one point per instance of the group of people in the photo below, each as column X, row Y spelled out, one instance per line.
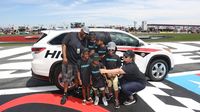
column 95, row 66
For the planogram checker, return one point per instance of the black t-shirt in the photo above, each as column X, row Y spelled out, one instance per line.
column 132, row 73
column 101, row 50
column 98, row 80
column 74, row 47
column 83, row 66
column 111, row 61
column 92, row 46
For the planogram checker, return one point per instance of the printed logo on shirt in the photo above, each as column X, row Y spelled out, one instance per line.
column 85, row 66
column 95, row 72
column 101, row 51
column 111, row 59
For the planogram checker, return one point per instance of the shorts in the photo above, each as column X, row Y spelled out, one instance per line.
column 101, row 88
column 69, row 72
column 113, row 82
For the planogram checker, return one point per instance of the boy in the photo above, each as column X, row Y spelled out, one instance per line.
column 92, row 46
column 101, row 50
column 84, row 76
column 111, row 61
column 132, row 81
column 97, row 80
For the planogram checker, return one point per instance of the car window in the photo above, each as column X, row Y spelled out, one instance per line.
column 123, row 39
column 41, row 37
column 58, row 40
column 102, row 35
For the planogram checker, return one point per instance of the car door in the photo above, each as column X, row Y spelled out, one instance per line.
column 126, row 42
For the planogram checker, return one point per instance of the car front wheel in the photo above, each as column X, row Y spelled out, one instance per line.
column 158, row 70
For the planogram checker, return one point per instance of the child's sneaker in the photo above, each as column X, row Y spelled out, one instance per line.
column 96, row 102
column 90, row 100
column 84, row 102
column 104, row 101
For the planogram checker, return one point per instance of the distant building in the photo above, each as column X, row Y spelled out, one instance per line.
column 174, row 28
column 144, row 26
column 77, row 25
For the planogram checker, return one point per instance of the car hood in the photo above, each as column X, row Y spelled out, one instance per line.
column 156, row 45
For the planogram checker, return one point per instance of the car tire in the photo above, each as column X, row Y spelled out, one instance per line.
column 158, row 70
column 58, row 78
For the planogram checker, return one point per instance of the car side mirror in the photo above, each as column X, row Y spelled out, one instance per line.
column 138, row 43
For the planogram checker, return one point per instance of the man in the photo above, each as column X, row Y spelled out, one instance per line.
column 72, row 46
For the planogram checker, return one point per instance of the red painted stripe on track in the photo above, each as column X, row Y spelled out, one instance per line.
column 53, row 99
column 198, row 74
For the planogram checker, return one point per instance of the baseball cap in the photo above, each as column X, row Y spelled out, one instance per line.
column 86, row 30
column 129, row 53
column 85, row 50
column 111, row 45
column 99, row 38
column 95, row 57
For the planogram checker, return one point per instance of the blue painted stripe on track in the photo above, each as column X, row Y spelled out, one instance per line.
column 190, row 82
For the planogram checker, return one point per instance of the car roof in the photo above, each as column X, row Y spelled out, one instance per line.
column 78, row 29
column 58, row 32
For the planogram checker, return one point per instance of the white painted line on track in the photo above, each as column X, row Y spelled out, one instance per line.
column 28, row 56
column 180, row 47
column 7, row 74
column 188, row 102
column 178, row 59
column 28, row 90
column 14, row 51
column 148, row 95
column 183, row 73
column 16, row 65
column 160, row 85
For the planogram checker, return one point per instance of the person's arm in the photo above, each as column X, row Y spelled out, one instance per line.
column 112, row 72
column 79, row 77
column 64, row 53
column 65, row 41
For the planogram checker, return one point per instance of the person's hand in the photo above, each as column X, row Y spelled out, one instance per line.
column 110, row 75
column 102, row 71
column 65, row 61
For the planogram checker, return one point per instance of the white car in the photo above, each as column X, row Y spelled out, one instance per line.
column 155, row 61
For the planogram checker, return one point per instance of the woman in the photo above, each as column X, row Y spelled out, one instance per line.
column 132, row 81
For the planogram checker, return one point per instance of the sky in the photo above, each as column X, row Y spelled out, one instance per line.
column 99, row 12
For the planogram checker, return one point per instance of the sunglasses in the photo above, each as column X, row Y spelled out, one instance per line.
column 111, row 50
column 125, row 56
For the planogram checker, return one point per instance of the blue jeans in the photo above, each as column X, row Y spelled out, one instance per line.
column 129, row 88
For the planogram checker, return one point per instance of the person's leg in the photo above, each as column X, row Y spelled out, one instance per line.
column 109, row 87
column 88, row 94
column 102, row 89
column 96, row 102
column 84, row 94
column 116, row 92
column 66, row 78
column 130, row 88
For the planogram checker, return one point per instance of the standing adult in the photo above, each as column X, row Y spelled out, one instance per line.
column 72, row 46
column 132, row 81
